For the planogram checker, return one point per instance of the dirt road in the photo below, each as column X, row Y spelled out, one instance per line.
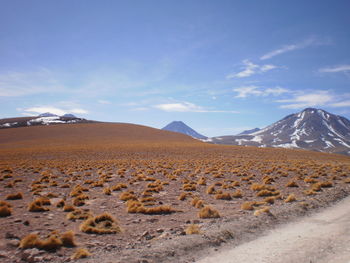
column 321, row 238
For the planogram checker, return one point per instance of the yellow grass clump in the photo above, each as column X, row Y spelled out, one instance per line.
column 192, row 230
column 290, row 198
column 68, row 239
column 292, row 184
column 248, row 205
column 16, row 196
column 262, row 211
column 237, row 194
column 223, row 196
column 102, row 224
column 5, row 209
column 80, row 253
column 208, row 212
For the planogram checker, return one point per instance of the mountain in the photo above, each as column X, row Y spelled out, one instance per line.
column 47, row 114
column 179, row 126
column 42, row 119
column 310, row 129
column 249, row 131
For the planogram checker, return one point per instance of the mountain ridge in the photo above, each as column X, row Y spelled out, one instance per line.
column 180, row 127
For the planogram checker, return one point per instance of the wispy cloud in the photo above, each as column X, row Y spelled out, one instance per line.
column 291, row 47
column 14, row 84
column 318, row 98
column 336, row 69
column 246, row 91
column 250, row 69
column 186, row 107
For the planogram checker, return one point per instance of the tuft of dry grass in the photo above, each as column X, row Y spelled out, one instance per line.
column 292, row 184
column 208, row 212
column 80, row 253
column 197, row 202
column 262, row 211
column 248, row 205
column 68, row 239
column 51, row 243
column 37, row 206
column 290, row 198
column 5, row 209
column 78, row 214
column 237, row 194
column 223, row 196
column 29, row 241
column 68, row 208
column 102, row 224
column 125, row 196
column 16, row 196
column 192, row 230
column 270, row 199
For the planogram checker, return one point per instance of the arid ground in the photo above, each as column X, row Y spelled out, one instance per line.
column 129, row 193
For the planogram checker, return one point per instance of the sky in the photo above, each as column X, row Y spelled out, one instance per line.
column 219, row 66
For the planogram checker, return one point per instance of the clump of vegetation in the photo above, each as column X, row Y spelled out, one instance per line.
column 125, row 196
column 38, row 205
column 262, row 211
column 197, row 202
column 78, row 214
column 102, row 224
column 80, row 253
column 292, row 184
column 192, row 229
column 223, row 196
column 68, row 239
column 208, row 212
column 237, row 194
column 5, row 209
column 16, row 196
column 248, row 205
column 290, row 198
column 135, row 206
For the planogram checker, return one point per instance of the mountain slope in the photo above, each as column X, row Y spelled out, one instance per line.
column 249, row 131
column 179, row 126
column 310, row 129
column 42, row 119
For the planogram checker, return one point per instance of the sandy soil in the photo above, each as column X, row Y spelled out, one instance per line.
column 322, row 237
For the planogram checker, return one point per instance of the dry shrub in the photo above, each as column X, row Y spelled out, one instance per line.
column 208, row 212
column 189, row 187
column 197, row 202
column 80, row 253
column 102, row 224
column 262, row 210
column 257, row 187
column 211, row 190
column 192, row 230
column 68, row 208
column 310, row 192
column 310, row 180
column 37, row 206
column 248, row 205
column 68, row 239
column 148, row 199
column 107, row 191
column 183, row 196
column 5, row 209
column 268, row 180
column 52, row 195
column 51, row 243
column 118, row 187
column 60, row 203
column 347, row 181
column 134, row 206
column 16, row 196
column 237, row 194
column 270, row 199
column 29, row 241
column 326, row 184
column 78, row 214
column 223, row 196
column 267, row 193
column 290, row 198
column 292, row 184
column 202, row 181
column 316, row 187
column 125, row 196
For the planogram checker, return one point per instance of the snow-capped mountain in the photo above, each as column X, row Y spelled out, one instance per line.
column 179, row 126
column 249, row 131
column 42, row 119
column 310, row 129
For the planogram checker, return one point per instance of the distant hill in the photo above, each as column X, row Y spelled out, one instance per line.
column 42, row 119
column 310, row 129
column 249, row 131
column 179, row 126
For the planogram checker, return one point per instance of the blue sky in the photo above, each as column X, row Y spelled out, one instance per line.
column 219, row 66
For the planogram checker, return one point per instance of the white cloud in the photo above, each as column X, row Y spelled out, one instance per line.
column 287, row 48
column 55, row 110
column 317, row 98
column 250, row 69
column 341, row 68
column 345, row 103
column 246, row 91
column 186, row 107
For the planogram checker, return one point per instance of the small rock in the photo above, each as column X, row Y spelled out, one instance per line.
column 13, row 243
column 9, row 235
column 145, row 234
column 160, row 230
column 26, row 223
column 18, row 220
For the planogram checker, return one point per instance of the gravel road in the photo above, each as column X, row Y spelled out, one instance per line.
column 321, row 238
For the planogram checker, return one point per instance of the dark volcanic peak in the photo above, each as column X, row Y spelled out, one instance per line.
column 311, row 129
column 179, row 126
